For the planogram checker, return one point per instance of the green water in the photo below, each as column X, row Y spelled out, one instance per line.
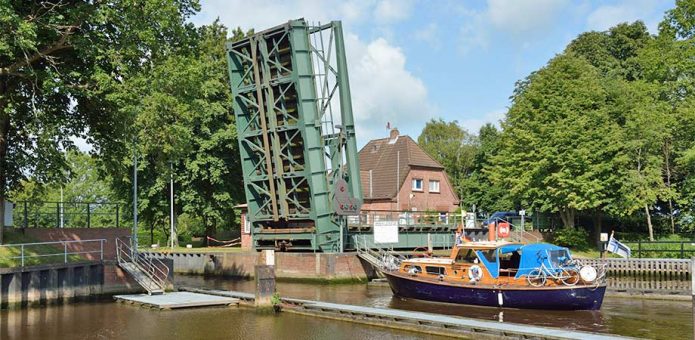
column 109, row 320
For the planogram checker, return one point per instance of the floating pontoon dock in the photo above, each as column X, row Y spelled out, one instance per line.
column 175, row 300
column 419, row 321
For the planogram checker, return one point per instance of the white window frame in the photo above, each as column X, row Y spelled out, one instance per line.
column 247, row 226
column 438, row 186
column 422, row 184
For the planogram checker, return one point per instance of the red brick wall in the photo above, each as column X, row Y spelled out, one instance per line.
column 424, row 200
column 75, row 234
column 287, row 265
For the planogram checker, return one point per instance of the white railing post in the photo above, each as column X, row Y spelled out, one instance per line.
column 101, row 251
column 22, row 255
column 65, row 252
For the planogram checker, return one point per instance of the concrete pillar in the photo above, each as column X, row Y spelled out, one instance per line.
column 52, row 286
column 265, row 285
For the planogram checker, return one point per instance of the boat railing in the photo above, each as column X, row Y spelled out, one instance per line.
column 382, row 257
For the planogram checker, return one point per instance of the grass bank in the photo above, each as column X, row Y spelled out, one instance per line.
column 34, row 255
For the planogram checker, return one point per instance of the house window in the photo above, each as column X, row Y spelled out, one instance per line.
column 434, row 186
column 417, row 184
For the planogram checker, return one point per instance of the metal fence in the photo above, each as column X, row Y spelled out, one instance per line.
column 666, row 249
column 47, row 214
column 37, row 252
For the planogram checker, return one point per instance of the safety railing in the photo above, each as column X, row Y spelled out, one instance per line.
column 517, row 233
column 53, row 214
column 48, row 252
column 152, row 267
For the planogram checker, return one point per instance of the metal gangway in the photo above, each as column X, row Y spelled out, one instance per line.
column 149, row 272
column 382, row 259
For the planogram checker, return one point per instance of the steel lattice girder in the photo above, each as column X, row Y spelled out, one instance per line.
column 280, row 120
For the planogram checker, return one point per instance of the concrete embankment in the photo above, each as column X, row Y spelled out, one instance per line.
column 58, row 283
column 310, row 267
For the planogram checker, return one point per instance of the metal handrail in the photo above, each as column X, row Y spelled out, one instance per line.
column 153, row 270
column 65, row 252
column 517, row 230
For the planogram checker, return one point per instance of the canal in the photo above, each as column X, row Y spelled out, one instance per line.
column 108, row 320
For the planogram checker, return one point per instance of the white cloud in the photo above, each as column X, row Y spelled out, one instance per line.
column 388, row 11
column 383, row 90
column 520, row 20
column 473, row 125
column 429, row 34
column 605, row 17
column 519, row 17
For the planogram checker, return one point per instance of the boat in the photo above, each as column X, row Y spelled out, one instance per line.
column 501, row 274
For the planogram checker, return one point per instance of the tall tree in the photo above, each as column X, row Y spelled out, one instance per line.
column 478, row 189
column 185, row 131
column 452, row 146
column 558, row 141
column 58, row 62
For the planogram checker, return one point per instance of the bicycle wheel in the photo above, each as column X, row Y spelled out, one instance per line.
column 536, row 278
column 569, row 277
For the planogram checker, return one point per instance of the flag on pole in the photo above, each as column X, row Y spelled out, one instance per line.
column 618, row 248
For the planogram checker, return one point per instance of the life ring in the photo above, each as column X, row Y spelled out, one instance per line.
column 475, row 273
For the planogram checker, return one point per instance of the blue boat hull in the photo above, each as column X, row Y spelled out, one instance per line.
column 553, row 298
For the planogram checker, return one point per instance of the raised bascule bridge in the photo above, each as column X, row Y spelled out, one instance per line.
column 297, row 142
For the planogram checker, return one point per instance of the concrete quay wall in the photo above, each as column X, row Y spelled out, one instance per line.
column 288, row 266
column 58, row 283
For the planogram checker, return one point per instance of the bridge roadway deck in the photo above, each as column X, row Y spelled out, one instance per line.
column 445, row 323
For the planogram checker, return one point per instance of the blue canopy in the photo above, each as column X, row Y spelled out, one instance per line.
column 533, row 255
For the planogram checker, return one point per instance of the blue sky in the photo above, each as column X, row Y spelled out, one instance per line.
column 410, row 61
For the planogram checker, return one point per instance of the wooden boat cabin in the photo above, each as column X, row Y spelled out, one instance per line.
column 495, row 263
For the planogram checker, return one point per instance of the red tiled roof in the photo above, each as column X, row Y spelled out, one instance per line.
column 381, row 156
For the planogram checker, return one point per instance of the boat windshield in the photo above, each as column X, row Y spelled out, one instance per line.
column 558, row 257
column 466, row 256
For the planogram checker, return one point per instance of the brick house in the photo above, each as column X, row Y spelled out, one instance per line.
column 397, row 174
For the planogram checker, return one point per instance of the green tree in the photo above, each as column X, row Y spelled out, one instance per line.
column 478, row 189
column 185, row 130
column 452, row 146
column 558, row 141
column 84, row 183
column 58, row 64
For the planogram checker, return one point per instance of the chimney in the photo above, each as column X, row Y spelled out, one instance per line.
column 394, row 135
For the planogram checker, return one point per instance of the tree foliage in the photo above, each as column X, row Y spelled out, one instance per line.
column 59, row 62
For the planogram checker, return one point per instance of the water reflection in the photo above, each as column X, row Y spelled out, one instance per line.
column 624, row 316
column 110, row 320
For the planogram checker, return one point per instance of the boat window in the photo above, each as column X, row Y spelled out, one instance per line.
column 435, row 270
column 466, row 256
column 490, row 255
column 558, row 257
column 510, row 260
column 412, row 269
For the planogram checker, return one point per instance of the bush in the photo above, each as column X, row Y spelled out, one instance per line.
column 576, row 238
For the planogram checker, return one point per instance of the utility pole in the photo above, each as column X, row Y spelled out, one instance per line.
column 134, row 238
column 62, row 211
column 172, row 233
